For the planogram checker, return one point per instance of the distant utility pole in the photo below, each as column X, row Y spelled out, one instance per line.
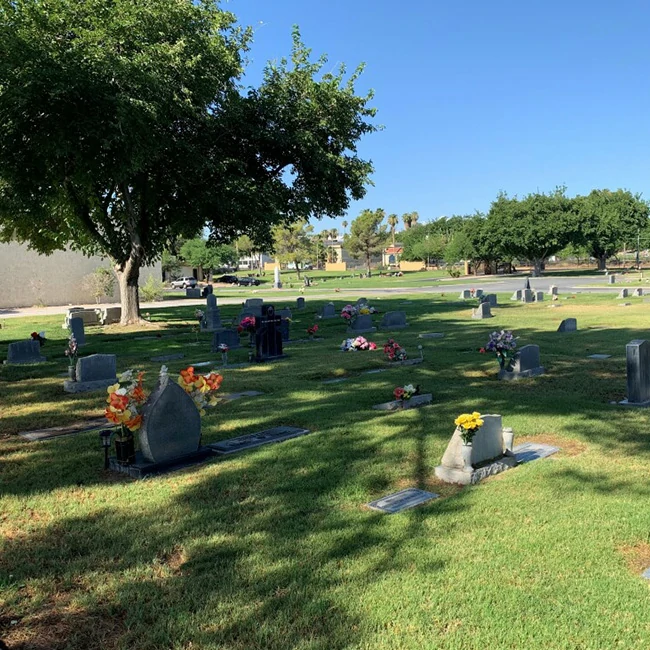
column 638, row 245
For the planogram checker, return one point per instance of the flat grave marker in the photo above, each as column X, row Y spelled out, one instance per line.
column 253, row 440
column 402, row 500
column 529, row 451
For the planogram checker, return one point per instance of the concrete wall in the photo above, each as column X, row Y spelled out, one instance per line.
column 411, row 266
column 30, row 279
column 336, row 266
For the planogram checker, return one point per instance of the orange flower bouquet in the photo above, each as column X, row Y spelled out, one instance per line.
column 201, row 388
column 125, row 400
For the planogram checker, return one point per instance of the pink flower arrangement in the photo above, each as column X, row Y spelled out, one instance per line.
column 359, row 343
column 348, row 312
column 394, row 351
column 247, row 325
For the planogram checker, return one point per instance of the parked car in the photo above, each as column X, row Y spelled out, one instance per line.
column 184, row 283
column 248, row 282
column 227, row 279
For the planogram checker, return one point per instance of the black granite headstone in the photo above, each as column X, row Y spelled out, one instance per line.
column 268, row 336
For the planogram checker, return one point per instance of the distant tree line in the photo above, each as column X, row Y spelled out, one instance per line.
column 532, row 229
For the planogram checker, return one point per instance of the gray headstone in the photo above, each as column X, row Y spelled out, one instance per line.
column 637, row 292
column 527, row 296
column 517, row 295
column 77, row 328
column 252, row 440
column 89, row 316
column 284, row 313
column 328, row 311
column 229, row 337
column 465, row 294
column 552, row 290
column 488, row 445
column 491, row 299
column 638, row 371
column 171, row 424
column 601, row 357
column 97, row 367
column 109, row 315
column 212, row 319
column 395, row 320
column 527, row 359
column 168, row 357
column 482, row 311
column 431, row 335
column 300, row 303
column 611, row 279
column 361, row 324
column 478, row 293
column 624, row 293
column 361, row 301
column 539, row 296
column 568, row 325
column 254, row 303
column 25, row 352
column 211, row 301
column 402, row 500
column 192, row 293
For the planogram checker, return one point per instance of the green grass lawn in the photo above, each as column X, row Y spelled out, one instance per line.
column 273, row 549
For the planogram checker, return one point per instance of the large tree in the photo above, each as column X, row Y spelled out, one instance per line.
column 367, row 237
column 534, row 227
column 124, row 125
column 205, row 256
column 292, row 244
column 609, row 219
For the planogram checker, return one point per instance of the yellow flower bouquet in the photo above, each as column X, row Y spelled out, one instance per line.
column 468, row 425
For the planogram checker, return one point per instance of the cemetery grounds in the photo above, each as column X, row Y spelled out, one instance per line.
column 274, row 548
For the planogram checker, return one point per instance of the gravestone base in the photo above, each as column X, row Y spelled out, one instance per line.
column 213, row 329
column 507, row 375
column 87, row 386
column 390, row 328
column 26, row 362
column 476, row 474
column 367, row 330
column 143, row 467
column 406, row 362
column 431, row 335
column 640, row 405
column 274, row 358
column 403, row 405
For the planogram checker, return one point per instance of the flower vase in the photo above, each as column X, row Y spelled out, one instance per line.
column 72, row 373
column 250, row 340
column 466, row 455
column 125, row 450
column 508, row 440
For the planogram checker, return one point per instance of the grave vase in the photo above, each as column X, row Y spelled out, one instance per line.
column 466, row 455
column 72, row 373
column 125, row 448
column 508, row 439
column 224, row 359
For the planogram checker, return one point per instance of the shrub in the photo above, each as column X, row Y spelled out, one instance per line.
column 152, row 290
column 453, row 272
column 100, row 283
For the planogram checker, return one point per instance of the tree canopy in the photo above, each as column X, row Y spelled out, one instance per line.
column 367, row 236
column 123, row 126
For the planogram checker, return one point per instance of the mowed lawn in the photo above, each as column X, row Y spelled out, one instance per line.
column 274, row 548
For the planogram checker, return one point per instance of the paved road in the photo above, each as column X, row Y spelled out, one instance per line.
column 499, row 284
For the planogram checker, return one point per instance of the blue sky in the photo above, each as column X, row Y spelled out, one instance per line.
column 479, row 96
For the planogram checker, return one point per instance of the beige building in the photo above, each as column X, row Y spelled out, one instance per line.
column 30, row 279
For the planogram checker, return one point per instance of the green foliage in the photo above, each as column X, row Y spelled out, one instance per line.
column 152, row 290
column 100, row 283
column 169, row 263
column 292, row 245
column 423, row 242
column 124, row 126
column 608, row 220
column 367, row 236
column 532, row 228
column 203, row 255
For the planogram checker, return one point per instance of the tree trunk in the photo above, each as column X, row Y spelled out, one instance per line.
column 128, row 275
column 368, row 265
column 602, row 262
column 538, row 265
column 298, row 270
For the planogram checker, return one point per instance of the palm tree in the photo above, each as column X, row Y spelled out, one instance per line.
column 414, row 218
column 334, row 234
column 393, row 220
column 407, row 219
column 345, row 225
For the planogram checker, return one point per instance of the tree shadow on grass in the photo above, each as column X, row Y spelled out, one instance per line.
column 254, row 553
